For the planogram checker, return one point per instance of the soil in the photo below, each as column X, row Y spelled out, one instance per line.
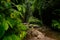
column 36, row 32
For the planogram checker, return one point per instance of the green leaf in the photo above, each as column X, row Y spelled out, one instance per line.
column 32, row 8
column 34, row 20
column 24, row 9
column 5, row 25
column 11, row 37
column 15, row 14
column 7, row 5
column 22, row 27
column 7, row 38
column 23, row 34
column 55, row 24
column 14, row 37
column 8, row 0
column 2, row 31
column 11, row 22
column 19, row 7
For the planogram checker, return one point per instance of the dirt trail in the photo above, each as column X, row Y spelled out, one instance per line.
column 34, row 34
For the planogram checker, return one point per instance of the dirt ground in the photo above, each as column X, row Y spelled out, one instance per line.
column 34, row 34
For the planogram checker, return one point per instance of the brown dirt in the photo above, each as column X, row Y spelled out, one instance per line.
column 34, row 34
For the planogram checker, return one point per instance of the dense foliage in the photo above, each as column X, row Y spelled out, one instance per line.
column 11, row 26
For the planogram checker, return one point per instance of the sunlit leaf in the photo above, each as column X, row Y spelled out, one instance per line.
column 19, row 7
column 23, row 34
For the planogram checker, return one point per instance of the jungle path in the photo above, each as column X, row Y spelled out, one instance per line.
column 42, row 33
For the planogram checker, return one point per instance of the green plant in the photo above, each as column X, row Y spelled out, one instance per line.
column 34, row 20
column 11, row 26
column 56, row 24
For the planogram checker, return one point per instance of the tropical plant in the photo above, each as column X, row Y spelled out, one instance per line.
column 11, row 26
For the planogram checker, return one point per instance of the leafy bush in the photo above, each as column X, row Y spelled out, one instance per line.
column 11, row 26
column 56, row 24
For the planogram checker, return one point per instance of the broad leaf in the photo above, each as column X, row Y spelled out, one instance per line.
column 11, row 37
column 4, row 25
